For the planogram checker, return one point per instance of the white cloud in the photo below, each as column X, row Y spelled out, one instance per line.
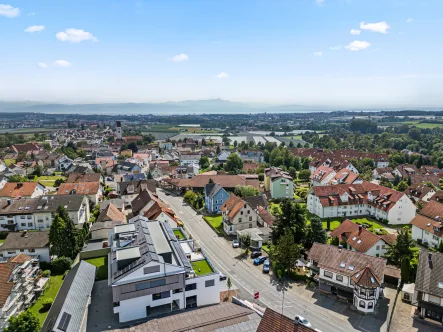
column 409, row 20
column 358, row 45
column 335, row 48
column 42, row 65
column 355, row 32
column 222, row 75
column 75, row 36
column 9, row 11
column 318, row 53
column 62, row 63
column 381, row 27
column 35, row 28
column 180, row 57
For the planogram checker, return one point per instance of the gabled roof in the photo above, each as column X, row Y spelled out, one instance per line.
column 430, row 218
column 50, row 203
column 142, row 199
column 356, row 236
column 256, row 201
column 19, row 189
column 321, row 173
column 5, row 284
column 68, row 310
column 211, row 189
column 226, row 181
column 345, row 262
column 138, row 186
column 266, row 216
column 81, row 177
column 438, row 196
column 111, row 213
column 19, row 206
column 233, row 205
column 26, row 240
column 273, row 321
column 429, row 273
column 80, row 188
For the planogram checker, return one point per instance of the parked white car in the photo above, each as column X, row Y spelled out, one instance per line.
column 235, row 244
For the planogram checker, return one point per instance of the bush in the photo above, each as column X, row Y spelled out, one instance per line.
column 61, row 264
column 261, row 177
column 385, row 221
column 47, row 303
column 46, row 273
column 419, row 241
column 312, row 284
column 295, row 276
column 3, row 235
column 45, row 266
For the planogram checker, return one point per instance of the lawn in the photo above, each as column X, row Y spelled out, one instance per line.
column 102, row 266
column 1, row 241
column 51, row 291
column 202, row 267
column 49, row 180
column 179, row 234
column 216, row 222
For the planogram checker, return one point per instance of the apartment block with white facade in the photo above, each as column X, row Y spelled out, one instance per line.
column 349, row 274
column 151, row 272
column 33, row 244
column 365, row 199
column 427, row 226
column 238, row 215
column 38, row 213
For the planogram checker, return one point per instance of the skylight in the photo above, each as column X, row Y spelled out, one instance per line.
column 440, row 284
column 354, row 238
column 359, row 241
column 372, row 280
column 342, row 264
column 351, row 267
column 357, row 275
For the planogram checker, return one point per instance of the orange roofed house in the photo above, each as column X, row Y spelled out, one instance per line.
column 365, row 199
column 18, row 190
column 93, row 190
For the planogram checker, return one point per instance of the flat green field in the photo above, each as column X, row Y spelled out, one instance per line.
column 216, row 222
column 49, row 180
column 25, row 130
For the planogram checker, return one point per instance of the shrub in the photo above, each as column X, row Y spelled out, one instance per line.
column 46, row 273
column 295, row 276
column 261, row 177
column 312, row 284
column 419, row 241
column 47, row 303
column 61, row 264
column 3, row 235
column 45, row 266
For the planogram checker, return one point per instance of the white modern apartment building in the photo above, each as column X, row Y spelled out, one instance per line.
column 151, row 272
column 365, row 199
column 189, row 159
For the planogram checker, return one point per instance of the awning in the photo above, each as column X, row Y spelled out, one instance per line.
column 430, row 306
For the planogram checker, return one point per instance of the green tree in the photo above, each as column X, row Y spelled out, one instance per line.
column 229, row 283
column 25, row 322
column 218, row 151
column 150, row 177
column 328, row 223
column 316, row 233
column 190, row 197
column 292, row 216
column 304, row 174
column 244, row 191
column 63, row 235
column 405, row 269
column 38, row 171
column 403, row 248
column 335, row 241
column 440, row 247
column 203, row 162
column 402, row 186
column 286, row 252
column 246, row 242
column 17, row 178
column 234, row 163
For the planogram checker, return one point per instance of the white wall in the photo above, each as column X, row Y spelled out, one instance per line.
column 44, row 255
column 425, row 236
column 205, row 295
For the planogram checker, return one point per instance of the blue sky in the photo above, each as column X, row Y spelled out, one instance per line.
column 274, row 51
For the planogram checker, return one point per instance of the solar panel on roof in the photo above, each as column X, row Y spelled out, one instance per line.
column 64, row 321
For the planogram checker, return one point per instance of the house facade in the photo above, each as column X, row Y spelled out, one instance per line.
column 188, row 159
column 349, row 274
column 215, row 197
column 18, row 190
column 365, row 199
column 33, row 244
column 152, row 272
column 429, row 287
column 279, row 183
column 322, row 176
column 427, row 225
column 237, row 215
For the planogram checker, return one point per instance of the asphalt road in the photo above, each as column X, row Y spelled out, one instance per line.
column 249, row 278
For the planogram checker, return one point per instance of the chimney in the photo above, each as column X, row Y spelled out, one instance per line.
column 19, row 185
column 9, row 201
column 430, row 260
column 360, row 227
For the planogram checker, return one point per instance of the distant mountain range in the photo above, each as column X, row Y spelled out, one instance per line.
column 210, row 106
column 182, row 107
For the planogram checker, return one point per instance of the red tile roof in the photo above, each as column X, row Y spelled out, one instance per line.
column 5, row 285
column 427, row 218
column 226, row 181
column 79, row 177
column 273, row 321
column 81, row 188
column 366, row 278
column 19, row 189
column 111, row 213
column 232, row 205
column 357, row 237
column 321, row 173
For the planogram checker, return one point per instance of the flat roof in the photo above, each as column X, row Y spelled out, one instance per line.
column 186, row 248
column 161, row 244
column 133, row 252
column 124, row 228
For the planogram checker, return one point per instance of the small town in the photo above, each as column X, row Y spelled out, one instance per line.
column 107, row 229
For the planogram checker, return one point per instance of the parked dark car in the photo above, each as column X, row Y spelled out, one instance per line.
column 260, row 260
column 255, row 254
column 222, row 276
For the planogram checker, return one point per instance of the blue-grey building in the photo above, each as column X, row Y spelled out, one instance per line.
column 215, row 197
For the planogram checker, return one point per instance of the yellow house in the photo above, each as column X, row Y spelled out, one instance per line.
column 126, row 153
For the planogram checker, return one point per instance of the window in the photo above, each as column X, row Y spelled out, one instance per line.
column 23, row 224
column 327, row 274
column 22, row 250
column 406, row 296
column 209, row 283
column 11, row 252
column 434, row 237
column 250, row 218
column 162, row 295
column 30, row 224
column 144, row 285
column 377, row 247
column 241, row 212
column 22, row 217
column 31, row 250
column 190, row 287
column 383, row 246
column 239, row 219
column 29, row 217
column 250, row 225
column 157, row 283
column 249, row 211
column 339, row 277
column 362, row 304
column 370, row 305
